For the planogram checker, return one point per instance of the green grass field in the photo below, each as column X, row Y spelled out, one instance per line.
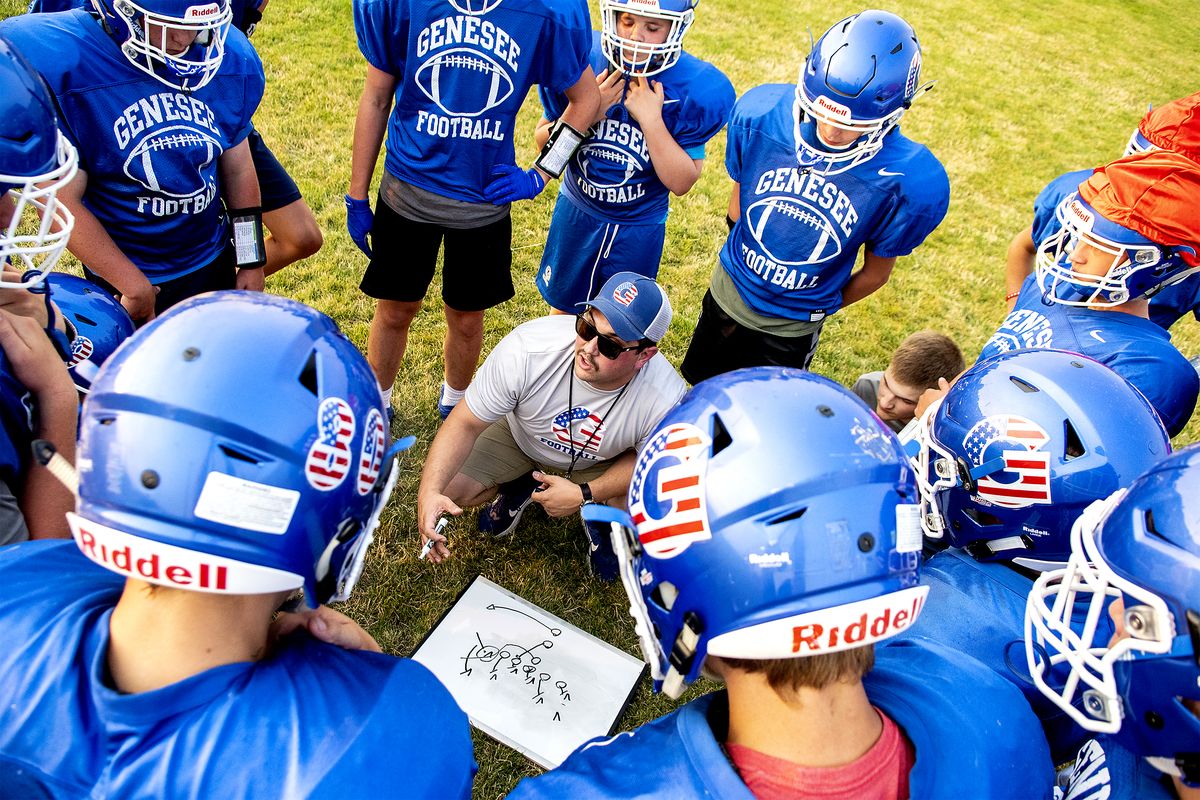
column 1025, row 91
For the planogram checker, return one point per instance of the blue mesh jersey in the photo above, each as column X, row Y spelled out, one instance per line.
column 462, row 79
column 311, row 720
column 1104, row 770
column 1168, row 306
column 979, row 609
column 973, row 733
column 1133, row 347
column 16, row 425
column 796, row 242
column 611, row 176
column 150, row 152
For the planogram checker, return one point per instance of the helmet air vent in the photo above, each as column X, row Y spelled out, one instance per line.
column 1075, row 447
column 1024, row 386
column 789, row 516
column 720, row 435
column 308, row 375
column 238, row 455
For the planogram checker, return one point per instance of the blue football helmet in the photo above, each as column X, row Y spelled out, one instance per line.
column 639, row 58
column 1021, row 444
column 1139, row 267
column 36, row 162
column 237, row 444
column 771, row 515
column 179, row 43
column 101, row 324
column 861, row 76
column 1142, row 546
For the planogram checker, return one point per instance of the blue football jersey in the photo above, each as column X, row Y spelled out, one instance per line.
column 1104, row 770
column 1175, row 302
column 979, row 609
column 973, row 733
column 1133, row 347
column 799, row 233
column 462, row 79
column 150, row 152
column 310, row 720
column 16, row 425
column 611, row 176
column 245, row 12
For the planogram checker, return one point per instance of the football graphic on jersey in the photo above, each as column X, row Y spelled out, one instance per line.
column 173, row 161
column 464, row 82
column 787, row 225
column 607, row 166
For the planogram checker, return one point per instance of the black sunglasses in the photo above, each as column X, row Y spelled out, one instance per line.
column 609, row 348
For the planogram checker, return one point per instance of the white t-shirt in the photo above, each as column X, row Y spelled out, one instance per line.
column 529, row 376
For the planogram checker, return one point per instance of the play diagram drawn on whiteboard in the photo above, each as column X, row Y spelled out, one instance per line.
column 526, row 677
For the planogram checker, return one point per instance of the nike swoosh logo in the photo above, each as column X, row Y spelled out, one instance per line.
column 512, row 513
column 1097, row 337
column 885, row 173
column 665, row 102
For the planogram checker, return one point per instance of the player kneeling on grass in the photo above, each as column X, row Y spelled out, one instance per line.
column 1135, row 560
column 214, row 483
column 777, row 568
column 659, row 106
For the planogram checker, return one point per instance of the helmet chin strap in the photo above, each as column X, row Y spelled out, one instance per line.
column 683, row 654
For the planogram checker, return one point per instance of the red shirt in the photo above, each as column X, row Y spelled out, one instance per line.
column 881, row 772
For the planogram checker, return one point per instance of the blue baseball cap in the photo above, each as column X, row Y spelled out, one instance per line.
column 635, row 306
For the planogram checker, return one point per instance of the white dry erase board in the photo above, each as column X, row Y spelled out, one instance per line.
column 525, row 677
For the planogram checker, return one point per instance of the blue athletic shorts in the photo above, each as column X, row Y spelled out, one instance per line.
column 583, row 251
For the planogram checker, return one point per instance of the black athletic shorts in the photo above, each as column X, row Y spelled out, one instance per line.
column 220, row 273
column 477, row 268
column 274, row 184
column 721, row 344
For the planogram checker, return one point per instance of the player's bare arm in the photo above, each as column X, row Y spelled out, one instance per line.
column 676, row 169
column 239, row 187
column 1018, row 265
column 561, row 496
column 370, row 124
column 44, row 500
column 734, row 212
column 92, row 245
column 870, row 278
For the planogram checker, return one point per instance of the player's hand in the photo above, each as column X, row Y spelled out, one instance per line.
column 558, row 496
column 429, row 508
column 930, row 396
column 22, row 302
column 612, row 85
column 35, row 362
column 326, row 625
column 644, row 100
column 359, row 219
column 510, row 183
column 251, row 280
column 140, row 303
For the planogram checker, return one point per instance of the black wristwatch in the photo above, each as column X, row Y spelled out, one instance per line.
column 587, row 494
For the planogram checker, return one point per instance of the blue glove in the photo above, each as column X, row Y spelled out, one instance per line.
column 359, row 219
column 510, row 183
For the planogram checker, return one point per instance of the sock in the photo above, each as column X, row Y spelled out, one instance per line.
column 387, row 397
column 450, row 397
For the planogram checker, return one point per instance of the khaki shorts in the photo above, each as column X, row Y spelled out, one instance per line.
column 496, row 459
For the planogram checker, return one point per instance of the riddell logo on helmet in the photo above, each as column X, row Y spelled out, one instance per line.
column 203, row 12
column 1080, row 214
column 835, row 109
column 152, row 567
column 855, row 629
column 650, row 4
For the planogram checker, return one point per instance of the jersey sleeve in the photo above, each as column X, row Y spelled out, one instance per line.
column 497, row 386
column 255, row 84
column 563, row 52
column 735, row 141
column 921, row 208
column 707, row 113
column 382, row 31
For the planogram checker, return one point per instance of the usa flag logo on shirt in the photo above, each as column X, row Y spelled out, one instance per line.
column 329, row 457
column 371, row 457
column 1022, row 474
column 666, row 494
column 578, row 428
column 81, row 350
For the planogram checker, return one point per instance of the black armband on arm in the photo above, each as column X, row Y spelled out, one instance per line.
column 249, row 248
column 729, row 222
column 562, row 145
